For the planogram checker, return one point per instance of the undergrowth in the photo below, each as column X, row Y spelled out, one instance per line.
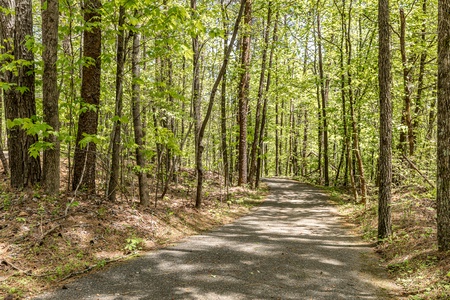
column 41, row 247
column 410, row 254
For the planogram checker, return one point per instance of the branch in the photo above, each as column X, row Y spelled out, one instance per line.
column 418, row 171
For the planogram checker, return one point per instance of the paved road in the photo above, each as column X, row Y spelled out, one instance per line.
column 292, row 247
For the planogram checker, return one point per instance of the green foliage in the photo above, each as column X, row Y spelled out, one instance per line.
column 133, row 244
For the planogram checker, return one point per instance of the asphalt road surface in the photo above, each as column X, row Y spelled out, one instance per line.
column 294, row 246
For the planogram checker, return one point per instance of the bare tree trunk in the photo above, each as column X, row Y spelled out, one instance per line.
column 223, row 107
column 3, row 158
column 256, row 135
column 90, row 93
column 263, row 131
column 113, row 183
column 50, row 95
column 385, row 156
column 443, row 117
column 25, row 170
column 406, row 138
column 137, row 122
column 244, row 89
column 324, row 83
column 201, row 131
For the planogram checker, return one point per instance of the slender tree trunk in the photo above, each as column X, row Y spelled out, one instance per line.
column 201, row 132
column 324, row 82
column 256, row 135
column 385, row 156
column 137, row 121
column 113, row 183
column 355, row 135
column 406, row 137
column 3, row 158
column 85, row 157
column 420, row 79
column 223, row 107
column 50, row 95
column 244, row 89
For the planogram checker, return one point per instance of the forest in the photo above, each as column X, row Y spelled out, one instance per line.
column 121, row 99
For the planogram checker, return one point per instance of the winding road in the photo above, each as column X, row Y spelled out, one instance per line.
column 294, row 246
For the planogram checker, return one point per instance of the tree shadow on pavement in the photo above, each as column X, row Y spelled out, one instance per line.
column 292, row 247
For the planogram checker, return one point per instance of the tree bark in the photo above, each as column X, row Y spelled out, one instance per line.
column 324, row 82
column 259, row 108
column 406, row 137
column 144, row 199
column 385, row 156
column 201, row 132
column 113, row 183
column 50, row 94
column 85, row 158
column 25, row 170
column 244, row 89
column 443, row 121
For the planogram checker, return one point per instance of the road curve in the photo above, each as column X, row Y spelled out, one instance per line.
column 294, row 246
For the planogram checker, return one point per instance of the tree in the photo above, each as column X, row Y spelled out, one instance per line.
column 20, row 101
column 137, row 121
column 85, row 155
column 443, row 125
column 385, row 157
column 113, row 183
column 244, row 89
column 50, row 94
column 202, row 128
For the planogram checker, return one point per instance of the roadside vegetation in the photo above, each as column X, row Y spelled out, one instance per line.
column 46, row 241
column 410, row 255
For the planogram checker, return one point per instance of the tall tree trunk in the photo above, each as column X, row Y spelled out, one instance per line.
column 137, row 121
column 223, row 107
column 85, row 157
column 3, row 158
column 406, row 137
column 324, row 83
column 263, row 131
column 443, row 120
column 255, row 143
column 113, row 183
column 420, row 78
column 50, row 94
column 25, row 170
column 244, row 89
column 355, row 133
column 385, row 156
column 201, row 131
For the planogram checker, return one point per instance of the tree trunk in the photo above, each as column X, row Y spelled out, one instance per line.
column 50, row 94
column 85, row 157
column 113, row 183
column 263, row 131
column 244, row 89
column 223, row 108
column 201, row 132
column 385, row 156
column 25, row 170
column 443, row 120
column 256, row 135
column 137, row 122
column 324, row 82
column 406, row 137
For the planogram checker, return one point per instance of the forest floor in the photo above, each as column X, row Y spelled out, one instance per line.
column 411, row 254
column 45, row 241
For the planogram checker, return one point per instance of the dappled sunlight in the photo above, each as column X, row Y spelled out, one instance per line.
column 293, row 247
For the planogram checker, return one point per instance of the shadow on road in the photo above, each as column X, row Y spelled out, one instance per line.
column 292, row 247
